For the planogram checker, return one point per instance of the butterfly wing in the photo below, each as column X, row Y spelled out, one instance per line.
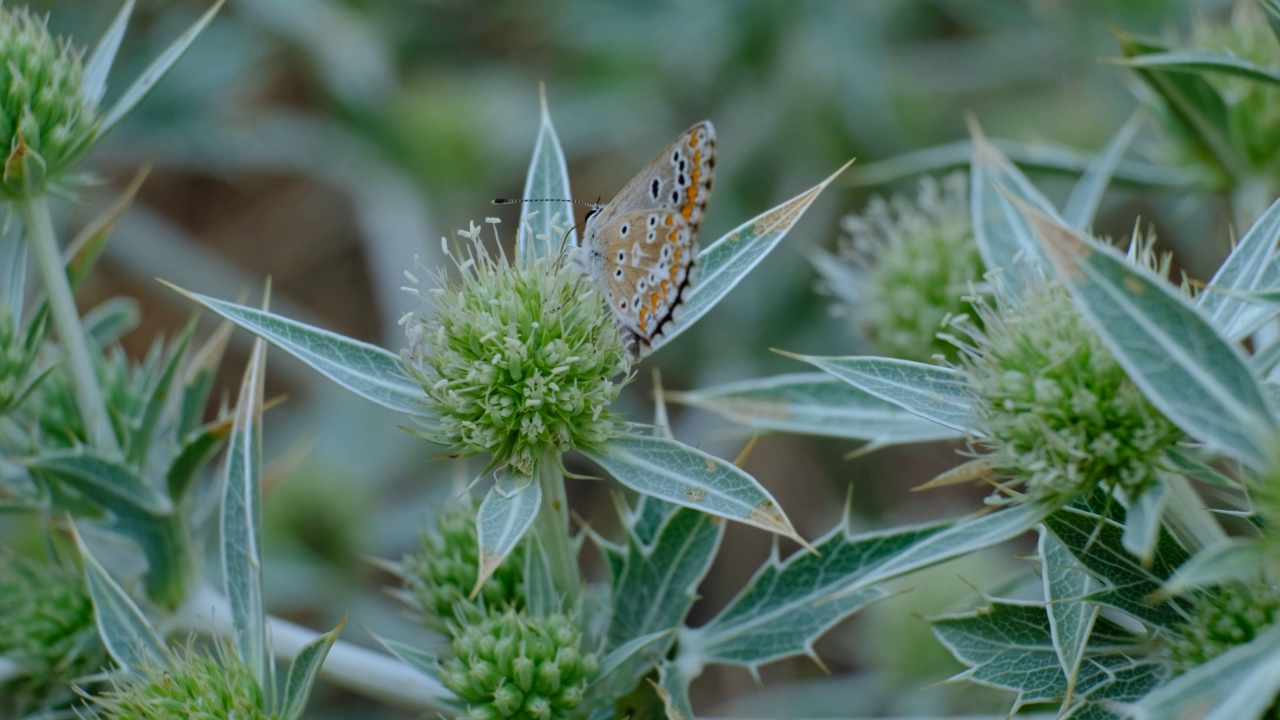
column 641, row 247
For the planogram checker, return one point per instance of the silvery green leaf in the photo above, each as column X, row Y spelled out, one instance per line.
column 502, row 520
column 1227, row 560
column 624, row 652
column 1043, row 157
column 416, row 658
column 789, row 604
column 541, row 596
column 1000, row 231
column 1087, row 194
column 241, row 520
column 1142, row 526
column 109, row 484
column 935, row 393
column 13, row 269
column 815, row 404
column 548, row 179
column 99, row 64
column 303, row 673
column 1202, row 62
column 1198, row 379
column 655, row 578
column 110, row 321
column 674, row 472
column 1240, row 683
column 1008, row 645
column 125, row 632
column 1071, row 615
column 673, row 689
column 159, row 67
column 368, row 371
column 725, row 262
column 1094, row 538
column 1272, row 10
column 1245, row 270
column 142, row 432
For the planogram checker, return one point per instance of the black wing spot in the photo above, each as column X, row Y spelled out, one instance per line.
column 623, row 304
column 641, row 286
column 675, row 197
column 681, row 180
column 624, row 229
column 675, row 156
column 618, row 273
column 654, row 188
column 622, row 256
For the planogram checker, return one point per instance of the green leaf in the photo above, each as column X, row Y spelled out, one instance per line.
column 368, row 371
column 1095, row 539
column 13, row 269
column 1194, row 105
column 192, row 456
column 673, row 689
column 99, row 64
column 788, row 605
column 548, row 179
column 724, row 263
column 1240, row 683
column 1227, row 560
column 619, row 656
column 541, row 596
column 241, row 520
column 1000, row 231
column 655, row 578
column 125, row 632
column 1087, row 195
column 815, row 404
column 937, row 394
column 674, row 472
column 303, row 673
column 156, row 399
column 1044, row 157
column 1198, row 379
column 420, row 660
column 155, row 72
column 1202, row 62
column 1142, row 527
column 1009, row 646
column 109, row 484
column 1272, row 10
column 112, row 320
column 1242, row 272
column 1071, row 616
column 504, row 517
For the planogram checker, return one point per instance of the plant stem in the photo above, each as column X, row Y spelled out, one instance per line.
column 66, row 318
column 363, row 671
column 552, row 527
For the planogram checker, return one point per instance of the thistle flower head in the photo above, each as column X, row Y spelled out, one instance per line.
column 915, row 261
column 45, row 123
column 1058, row 412
column 445, row 568
column 48, row 633
column 191, row 685
column 513, row 666
column 1222, row 618
column 517, row 361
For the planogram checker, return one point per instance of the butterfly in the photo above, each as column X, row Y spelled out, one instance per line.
column 641, row 247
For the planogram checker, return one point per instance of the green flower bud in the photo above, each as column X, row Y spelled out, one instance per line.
column 491, row 682
column 1223, row 617
column 1059, row 414
column 518, row 361
column 190, row 685
column 48, row 632
column 45, row 123
column 905, row 266
column 443, row 571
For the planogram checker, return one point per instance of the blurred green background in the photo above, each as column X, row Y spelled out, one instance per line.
column 325, row 143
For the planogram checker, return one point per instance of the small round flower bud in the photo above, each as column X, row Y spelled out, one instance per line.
column 533, row 683
column 190, row 684
column 517, row 361
column 904, row 266
column 1223, row 618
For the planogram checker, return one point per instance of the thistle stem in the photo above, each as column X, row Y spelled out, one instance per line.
column 552, row 527
column 66, row 318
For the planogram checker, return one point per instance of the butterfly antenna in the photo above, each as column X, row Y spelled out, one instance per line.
column 515, row 201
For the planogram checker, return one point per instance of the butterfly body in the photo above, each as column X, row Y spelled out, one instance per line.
column 640, row 248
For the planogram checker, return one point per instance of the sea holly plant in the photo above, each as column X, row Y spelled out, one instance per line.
column 1111, row 411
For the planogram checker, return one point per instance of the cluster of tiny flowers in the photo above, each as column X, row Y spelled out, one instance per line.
column 1223, row 618
column 48, row 632
column 192, row 685
column 441, row 574
column 512, row 666
column 518, row 361
column 915, row 262
column 1058, row 413
column 45, row 123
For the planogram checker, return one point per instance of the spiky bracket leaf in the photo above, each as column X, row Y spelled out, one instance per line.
column 1225, row 561
column 372, row 373
column 548, row 179
column 1250, row 267
column 507, row 512
column 1000, row 231
column 1071, row 616
column 725, row 262
column 1193, row 375
column 674, row 472
column 815, row 404
column 1240, row 683
column 303, row 673
column 125, row 632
